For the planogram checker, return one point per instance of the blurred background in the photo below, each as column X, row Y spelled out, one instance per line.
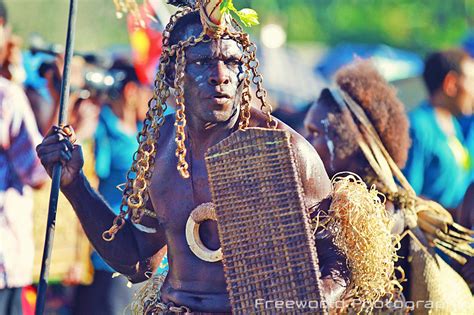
column 413, row 25
column 302, row 43
column 315, row 36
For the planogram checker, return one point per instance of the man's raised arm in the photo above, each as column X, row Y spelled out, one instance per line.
column 132, row 251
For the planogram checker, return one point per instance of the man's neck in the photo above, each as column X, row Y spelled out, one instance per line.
column 205, row 134
column 444, row 116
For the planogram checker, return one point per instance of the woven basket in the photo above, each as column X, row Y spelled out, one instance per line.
column 267, row 244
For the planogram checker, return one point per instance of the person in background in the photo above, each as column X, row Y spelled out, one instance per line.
column 115, row 143
column 20, row 170
column 439, row 163
column 466, row 211
column 360, row 126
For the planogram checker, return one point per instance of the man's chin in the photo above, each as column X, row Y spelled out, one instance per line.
column 220, row 116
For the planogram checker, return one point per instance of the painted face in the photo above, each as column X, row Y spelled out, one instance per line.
column 213, row 79
column 320, row 133
column 317, row 133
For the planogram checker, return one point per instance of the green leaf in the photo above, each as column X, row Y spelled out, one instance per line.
column 248, row 17
column 227, row 6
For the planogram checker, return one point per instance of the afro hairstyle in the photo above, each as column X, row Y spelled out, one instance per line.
column 379, row 101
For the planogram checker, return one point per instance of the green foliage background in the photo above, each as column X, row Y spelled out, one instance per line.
column 96, row 28
column 419, row 25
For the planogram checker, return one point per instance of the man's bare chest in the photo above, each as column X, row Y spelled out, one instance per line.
column 174, row 197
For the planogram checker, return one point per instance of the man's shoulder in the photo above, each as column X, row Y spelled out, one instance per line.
column 421, row 114
column 422, row 121
column 170, row 118
column 167, row 129
column 169, row 121
column 259, row 119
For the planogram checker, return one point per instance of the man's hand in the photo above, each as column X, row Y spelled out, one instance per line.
column 58, row 146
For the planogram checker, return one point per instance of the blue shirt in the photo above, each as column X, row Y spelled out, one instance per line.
column 438, row 166
column 467, row 126
column 114, row 149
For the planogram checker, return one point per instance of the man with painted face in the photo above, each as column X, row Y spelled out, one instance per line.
column 207, row 60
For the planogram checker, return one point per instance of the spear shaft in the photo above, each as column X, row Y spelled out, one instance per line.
column 53, row 198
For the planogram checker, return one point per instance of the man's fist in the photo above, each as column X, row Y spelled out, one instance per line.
column 58, row 147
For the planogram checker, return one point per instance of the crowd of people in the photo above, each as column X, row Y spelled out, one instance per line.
column 419, row 160
column 107, row 107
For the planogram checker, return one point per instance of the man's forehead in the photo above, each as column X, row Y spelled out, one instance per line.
column 194, row 29
column 214, row 48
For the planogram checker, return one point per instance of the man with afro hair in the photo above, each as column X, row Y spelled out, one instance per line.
column 361, row 127
column 333, row 136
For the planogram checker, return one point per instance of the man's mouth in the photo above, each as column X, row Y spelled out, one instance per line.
column 220, row 98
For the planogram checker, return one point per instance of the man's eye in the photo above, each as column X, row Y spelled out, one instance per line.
column 233, row 62
column 201, row 62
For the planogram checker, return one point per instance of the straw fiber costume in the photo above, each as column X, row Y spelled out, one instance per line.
column 432, row 284
column 223, row 150
column 429, row 224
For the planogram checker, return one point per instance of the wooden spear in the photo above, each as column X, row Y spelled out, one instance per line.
column 53, row 199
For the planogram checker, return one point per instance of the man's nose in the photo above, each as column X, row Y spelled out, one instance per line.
column 219, row 75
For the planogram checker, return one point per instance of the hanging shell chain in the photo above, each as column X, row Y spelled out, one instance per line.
column 257, row 79
column 251, row 65
column 138, row 177
column 180, row 122
column 246, row 95
column 245, row 103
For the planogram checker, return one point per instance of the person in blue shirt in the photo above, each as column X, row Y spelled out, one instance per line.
column 439, row 163
column 115, row 143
